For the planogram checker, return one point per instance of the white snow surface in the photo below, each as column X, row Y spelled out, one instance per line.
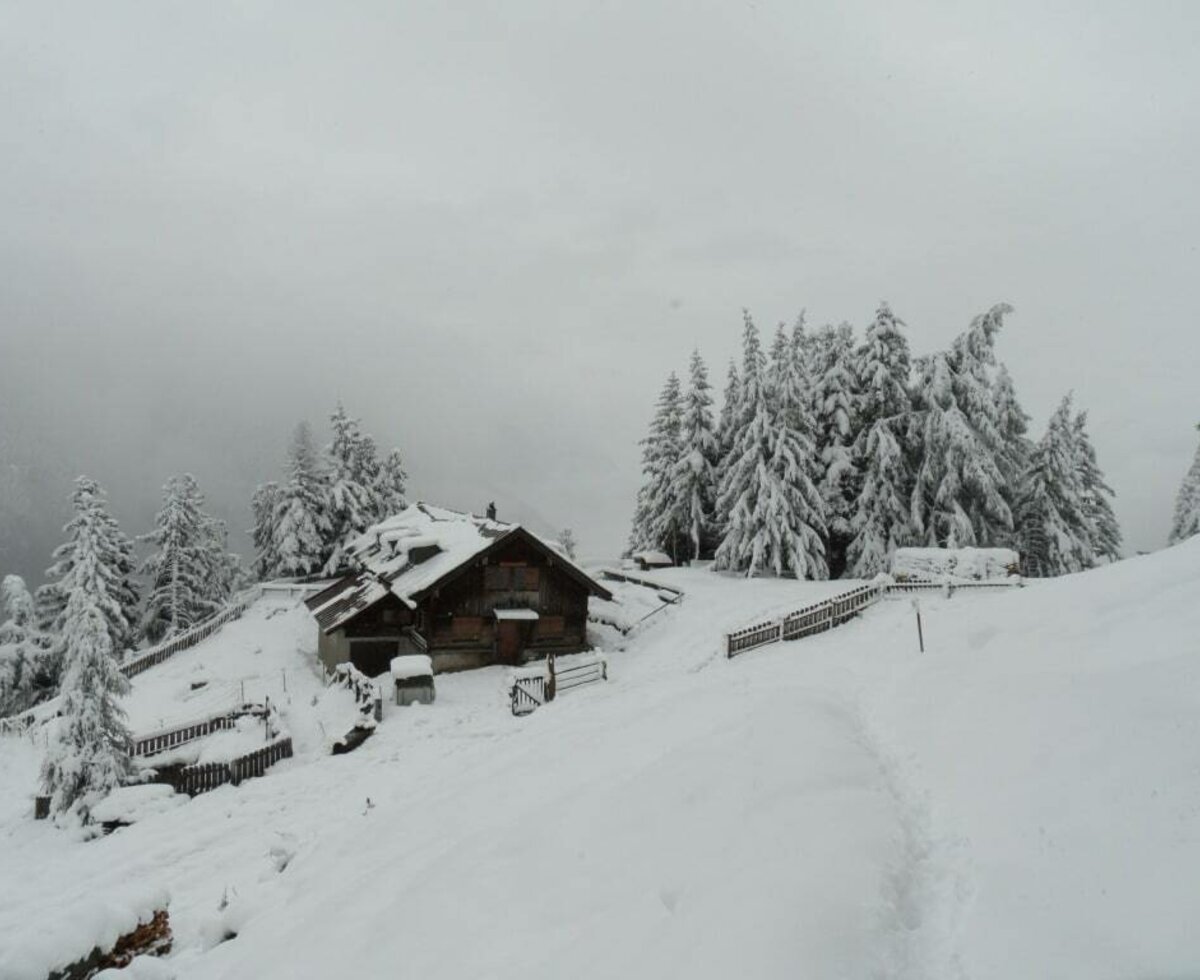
column 970, row 564
column 412, row 665
column 1022, row 800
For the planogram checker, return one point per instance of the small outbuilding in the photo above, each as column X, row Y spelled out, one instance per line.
column 412, row 676
column 464, row 590
column 648, row 560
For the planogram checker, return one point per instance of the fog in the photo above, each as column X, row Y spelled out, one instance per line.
column 492, row 229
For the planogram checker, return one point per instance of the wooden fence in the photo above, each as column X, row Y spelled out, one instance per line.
column 824, row 615
column 189, row 638
column 169, row 738
column 17, row 724
column 527, row 694
column 530, row 691
column 366, row 692
column 200, row 778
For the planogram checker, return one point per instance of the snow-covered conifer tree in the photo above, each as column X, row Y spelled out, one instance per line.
column 1096, row 494
column 957, row 483
column 1055, row 534
column 727, row 425
column 835, row 401
column 115, row 552
column 1186, row 522
column 658, row 519
column 302, row 524
column 960, row 496
column 1012, row 424
column 390, row 490
column 26, row 664
column 353, row 474
column 881, row 520
column 180, row 569
column 264, row 506
column 224, row 566
column 695, row 472
column 773, row 506
column 91, row 751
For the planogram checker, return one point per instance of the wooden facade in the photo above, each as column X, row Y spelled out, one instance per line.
column 515, row 601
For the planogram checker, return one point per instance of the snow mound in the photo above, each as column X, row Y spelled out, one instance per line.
column 963, row 564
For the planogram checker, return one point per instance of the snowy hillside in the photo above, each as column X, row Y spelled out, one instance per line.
column 1021, row 800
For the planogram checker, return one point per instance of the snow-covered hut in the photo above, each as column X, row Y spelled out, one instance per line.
column 468, row 591
column 647, row 560
column 412, row 676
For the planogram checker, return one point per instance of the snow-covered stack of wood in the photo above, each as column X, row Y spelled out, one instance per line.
column 953, row 564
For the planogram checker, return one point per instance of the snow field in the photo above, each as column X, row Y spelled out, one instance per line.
column 1021, row 800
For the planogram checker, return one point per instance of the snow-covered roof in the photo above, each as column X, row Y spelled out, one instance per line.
column 653, row 557
column 410, row 553
column 412, row 665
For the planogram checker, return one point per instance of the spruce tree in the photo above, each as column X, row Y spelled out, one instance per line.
column 113, row 549
column 1055, row 534
column 727, row 432
column 390, row 490
column 960, row 495
column 773, row 506
column 352, row 505
column 91, row 751
column 835, row 399
column 264, row 506
column 658, row 520
column 180, row 569
column 881, row 520
column 1186, row 522
column 302, row 524
column 1096, row 493
column 695, row 473
column 26, row 664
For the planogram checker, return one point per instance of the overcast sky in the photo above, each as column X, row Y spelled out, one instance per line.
column 492, row 229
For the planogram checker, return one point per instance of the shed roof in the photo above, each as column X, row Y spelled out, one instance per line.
column 411, row 553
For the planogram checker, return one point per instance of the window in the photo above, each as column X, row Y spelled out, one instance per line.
column 511, row 578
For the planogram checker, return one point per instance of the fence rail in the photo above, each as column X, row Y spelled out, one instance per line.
column 821, row 616
column 580, row 673
column 169, row 738
column 16, row 725
column 201, row 778
column 367, row 694
column 527, row 694
column 530, row 691
column 189, row 638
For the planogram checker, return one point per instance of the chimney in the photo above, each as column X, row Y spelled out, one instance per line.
column 491, row 511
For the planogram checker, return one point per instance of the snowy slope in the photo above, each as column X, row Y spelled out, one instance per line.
column 1019, row 801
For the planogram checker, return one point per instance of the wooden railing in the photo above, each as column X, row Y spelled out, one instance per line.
column 203, row 777
column 16, row 724
column 530, row 691
column 579, row 673
column 527, row 694
column 169, row 738
column 821, row 616
column 367, row 694
column 189, row 638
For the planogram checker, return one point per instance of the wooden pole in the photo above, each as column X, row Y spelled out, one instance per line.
column 920, row 632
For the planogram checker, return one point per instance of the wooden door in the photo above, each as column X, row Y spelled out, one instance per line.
column 508, row 641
